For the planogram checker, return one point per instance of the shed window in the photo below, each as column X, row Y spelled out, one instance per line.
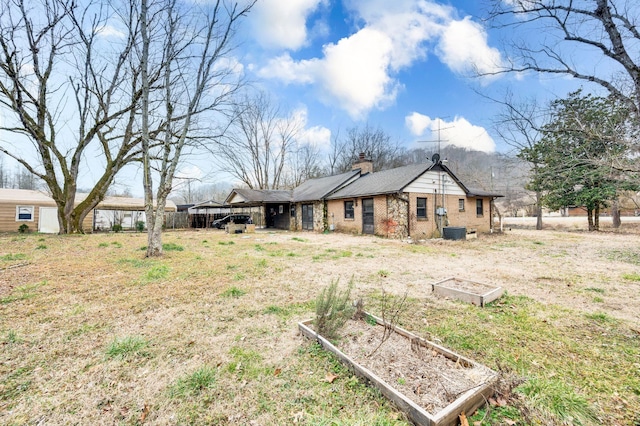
column 348, row 210
column 461, row 204
column 479, row 209
column 24, row 213
column 421, row 208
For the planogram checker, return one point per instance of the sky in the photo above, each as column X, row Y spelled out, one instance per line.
column 404, row 65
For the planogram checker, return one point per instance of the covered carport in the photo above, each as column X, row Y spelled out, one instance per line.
column 268, row 208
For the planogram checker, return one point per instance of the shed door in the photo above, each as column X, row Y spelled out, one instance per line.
column 367, row 216
column 307, row 217
column 48, row 220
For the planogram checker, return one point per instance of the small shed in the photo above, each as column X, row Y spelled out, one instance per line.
column 39, row 212
column 26, row 207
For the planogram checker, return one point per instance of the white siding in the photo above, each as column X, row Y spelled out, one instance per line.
column 431, row 181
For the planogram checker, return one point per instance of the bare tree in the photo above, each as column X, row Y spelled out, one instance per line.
column 520, row 125
column 257, row 148
column 304, row 164
column 57, row 71
column 603, row 32
column 197, row 77
column 375, row 143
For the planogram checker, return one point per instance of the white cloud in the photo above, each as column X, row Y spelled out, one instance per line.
column 417, row 123
column 282, row 24
column 315, row 136
column 110, row 31
column 358, row 72
column 458, row 132
column 189, row 172
column 463, row 48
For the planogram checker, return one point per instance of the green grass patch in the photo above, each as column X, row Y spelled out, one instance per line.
column 191, row 385
column 116, row 244
column 226, row 243
column 258, row 247
column 634, row 276
column 41, row 247
column 136, row 263
column 156, row 273
column 12, row 337
column 103, row 244
column 22, row 293
column 13, row 256
column 558, row 401
column 627, row 256
column 234, row 292
column 127, row 347
column 382, row 273
column 15, row 383
column 601, row 317
column 595, row 289
column 247, row 363
column 301, row 240
column 172, row 247
column 262, row 263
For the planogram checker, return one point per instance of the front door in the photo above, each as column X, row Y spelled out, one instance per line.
column 367, row 216
column 307, row 217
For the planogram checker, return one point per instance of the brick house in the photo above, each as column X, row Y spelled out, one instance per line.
column 416, row 200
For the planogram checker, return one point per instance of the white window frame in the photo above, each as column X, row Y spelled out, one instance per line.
column 31, row 208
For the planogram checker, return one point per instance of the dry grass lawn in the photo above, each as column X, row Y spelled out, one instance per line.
column 91, row 332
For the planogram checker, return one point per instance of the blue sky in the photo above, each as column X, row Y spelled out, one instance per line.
column 405, row 65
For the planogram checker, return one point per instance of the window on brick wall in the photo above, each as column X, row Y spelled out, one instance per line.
column 461, row 204
column 421, row 208
column 479, row 207
column 348, row 210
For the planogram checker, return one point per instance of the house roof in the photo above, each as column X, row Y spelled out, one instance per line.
column 207, row 204
column 124, row 203
column 320, row 188
column 384, row 182
column 475, row 192
column 260, row 195
column 24, row 196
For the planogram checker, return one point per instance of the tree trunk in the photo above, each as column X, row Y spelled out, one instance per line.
column 590, row 219
column 615, row 214
column 596, row 218
column 154, row 233
column 538, row 210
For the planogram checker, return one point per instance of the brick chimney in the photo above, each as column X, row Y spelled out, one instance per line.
column 364, row 164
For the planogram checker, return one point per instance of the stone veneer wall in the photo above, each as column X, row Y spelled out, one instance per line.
column 318, row 217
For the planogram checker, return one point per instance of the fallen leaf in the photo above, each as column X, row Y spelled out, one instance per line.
column 492, row 401
column 330, row 377
column 277, row 371
column 463, row 419
column 509, row 422
column 145, row 413
column 501, row 402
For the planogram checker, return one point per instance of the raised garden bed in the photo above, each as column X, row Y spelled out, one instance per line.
column 430, row 383
column 473, row 292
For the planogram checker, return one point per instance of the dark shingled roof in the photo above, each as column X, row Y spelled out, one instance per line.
column 475, row 192
column 319, row 188
column 384, row 182
column 264, row 195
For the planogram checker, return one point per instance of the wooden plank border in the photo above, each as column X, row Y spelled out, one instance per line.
column 467, row 402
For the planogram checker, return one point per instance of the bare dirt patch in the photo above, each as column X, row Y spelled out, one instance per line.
column 424, row 375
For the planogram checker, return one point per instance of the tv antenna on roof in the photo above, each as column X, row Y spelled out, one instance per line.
column 439, row 140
